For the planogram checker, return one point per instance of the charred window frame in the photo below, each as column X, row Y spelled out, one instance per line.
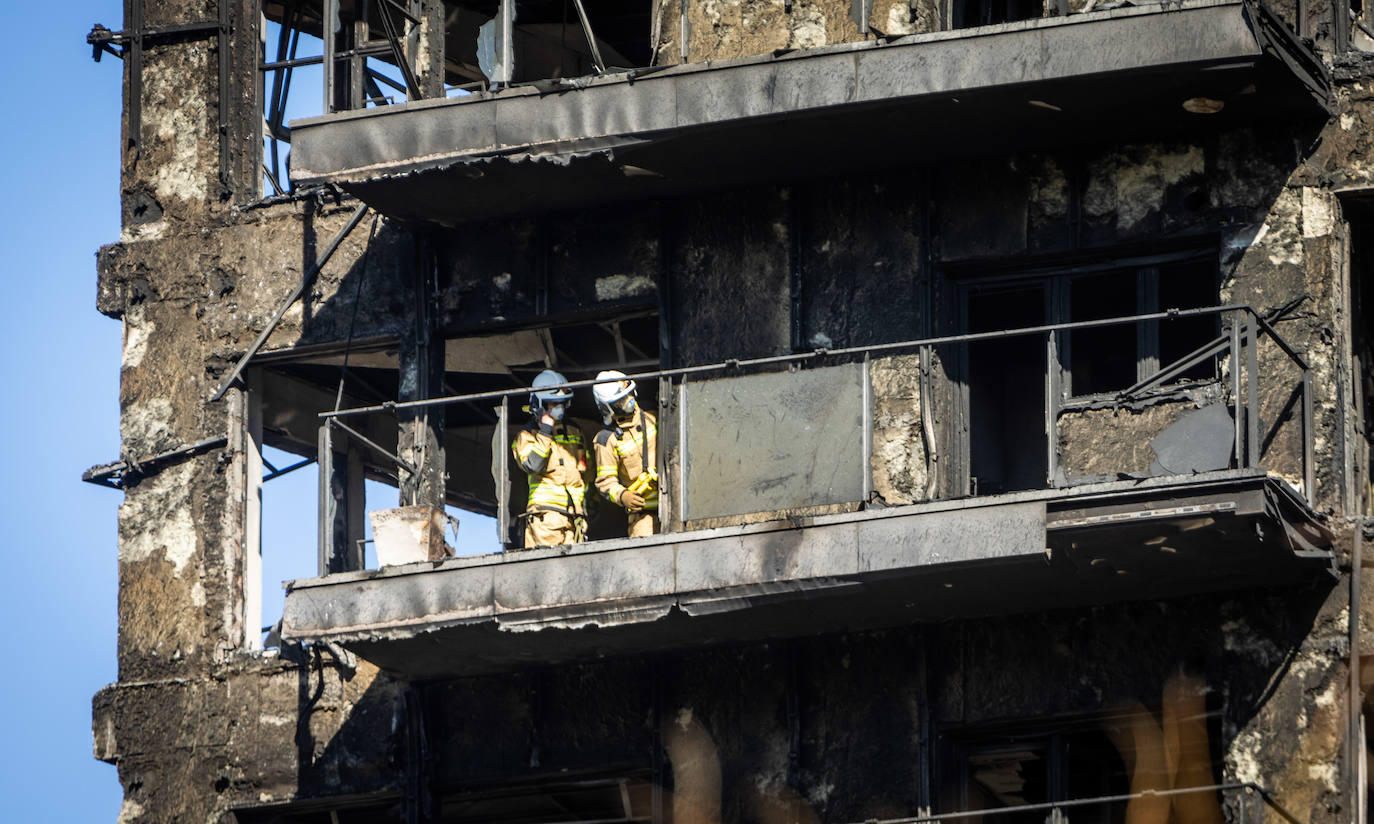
column 1033, row 763
column 1069, row 758
column 1096, row 363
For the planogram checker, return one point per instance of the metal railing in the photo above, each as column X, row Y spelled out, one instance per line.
column 349, row 81
column 1056, row 810
column 1243, row 328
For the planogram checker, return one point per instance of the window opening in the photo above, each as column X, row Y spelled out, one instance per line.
column 1102, row 358
column 1188, row 286
column 1006, row 389
column 1108, row 359
column 1112, row 754
column 288, row 540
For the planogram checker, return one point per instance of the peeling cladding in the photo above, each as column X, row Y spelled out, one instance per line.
column 800, row 660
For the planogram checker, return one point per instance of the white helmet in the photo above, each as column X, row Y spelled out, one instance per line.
column 613, row 392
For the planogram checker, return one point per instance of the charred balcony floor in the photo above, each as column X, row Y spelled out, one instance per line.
column 993, row 555
column 1122, row 74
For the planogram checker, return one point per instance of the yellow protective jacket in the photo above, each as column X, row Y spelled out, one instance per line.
column 554, row 462
column 623, row 451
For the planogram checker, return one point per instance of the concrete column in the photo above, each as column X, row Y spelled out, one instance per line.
column 420, row 440
column 427, row 54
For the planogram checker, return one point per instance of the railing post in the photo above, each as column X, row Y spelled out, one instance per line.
column 682, row 451
column 1051, row 407
column 328, row 504
column 666, row 490
column 1244, row 795
column 1237, row 404
column 1252, row 442
column 502, row 473
column 1309, row 470
column 327, row 35
column 867, row 433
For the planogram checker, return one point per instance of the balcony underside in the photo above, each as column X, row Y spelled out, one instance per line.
column 1121, row 75
column 889, row 567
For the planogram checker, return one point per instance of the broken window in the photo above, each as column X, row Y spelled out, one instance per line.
column 1117, row 755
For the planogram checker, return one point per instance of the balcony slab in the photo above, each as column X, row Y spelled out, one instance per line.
column 864, row 570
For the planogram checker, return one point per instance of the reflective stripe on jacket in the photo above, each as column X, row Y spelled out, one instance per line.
column 553, row 465
column 622, row 454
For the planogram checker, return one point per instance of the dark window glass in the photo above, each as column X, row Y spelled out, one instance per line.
column 1187, row 286
column 1102, row 358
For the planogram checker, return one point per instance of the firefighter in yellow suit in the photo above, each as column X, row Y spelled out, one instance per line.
column 552, row 452
column 627, row 452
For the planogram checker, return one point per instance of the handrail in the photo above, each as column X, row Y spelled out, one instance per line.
column 1246, row 327
column 799, row 357
column 1085, row 802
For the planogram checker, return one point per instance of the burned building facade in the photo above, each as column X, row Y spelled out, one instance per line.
column 1010, row 363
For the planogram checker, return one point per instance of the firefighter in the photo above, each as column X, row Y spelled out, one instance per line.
column 552, row 452
column 627, row 452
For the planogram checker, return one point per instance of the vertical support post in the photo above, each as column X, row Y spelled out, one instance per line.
column 502, row 472
column 328, row 34
column 134, row 139
column 1354, row 740
column 427, row 55
column 1252, row 441
column 666, row 509
column 225, row 178
column 1340, row 26
column 252, row 516
column 1051, row 407
column 328, row 504
column 867, row 433
column 357, row 64
column 1244, row 797
column 1237, row 402
column 1309, row 468
column 340, row 506
column 421, row 437
column 355, row 508
column 682, row 451
column 684, row 30
column 505, row 48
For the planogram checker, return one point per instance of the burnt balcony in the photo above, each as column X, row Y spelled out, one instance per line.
column 775, row 525
column 1125, row 74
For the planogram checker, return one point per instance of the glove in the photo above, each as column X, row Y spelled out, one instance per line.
column 632, row 501
column 546, row 424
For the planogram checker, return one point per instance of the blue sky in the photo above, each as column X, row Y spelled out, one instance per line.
column 60, row 415
column 60, row 411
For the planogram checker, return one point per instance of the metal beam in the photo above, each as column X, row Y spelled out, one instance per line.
column 397, row 52
column 306, row 280
column 591, row 38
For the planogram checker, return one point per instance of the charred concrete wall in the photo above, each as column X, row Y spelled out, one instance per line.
column 725, row 29
column 197, row 725
column 840, row 728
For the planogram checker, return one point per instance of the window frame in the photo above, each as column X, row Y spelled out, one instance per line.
column 1056, row 279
